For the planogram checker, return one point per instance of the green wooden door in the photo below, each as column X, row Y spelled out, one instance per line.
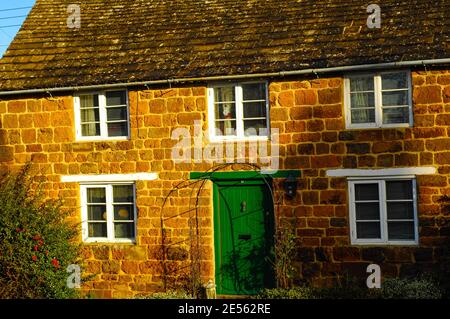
column 243, row 222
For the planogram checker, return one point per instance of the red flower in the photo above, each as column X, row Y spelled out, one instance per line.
column 34, row 258
column 36, row 237
column 36, row 248
column 46, row 253
column 19, row 230
column 41, row 242
column 55, row 262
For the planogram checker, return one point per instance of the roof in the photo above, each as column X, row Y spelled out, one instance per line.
column 144, row 40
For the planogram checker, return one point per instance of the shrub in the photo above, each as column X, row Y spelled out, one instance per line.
column 170, row 294
column 292, row 293
column 421, row 288
column 284, row 252
column 36, row 242
column 391, row 288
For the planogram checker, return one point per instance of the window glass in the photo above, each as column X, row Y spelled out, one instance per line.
column 361, row 83
column 115, row 98
column 392, row 81
column 396, row 115
column 400, row 210
column 123, row 230
column 366, row 192
column 90, row 115
column 368, row 230
column 96, row 208
column 118, row 129
column 401, row 230
column 399, row 189
column 367, row 211
column 362, row 99
column 254, row 92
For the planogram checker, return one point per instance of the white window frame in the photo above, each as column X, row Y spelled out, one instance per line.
column 378, row 101
column 109, row 212
column 383, row 211
column 239, row 113
column 103, row 116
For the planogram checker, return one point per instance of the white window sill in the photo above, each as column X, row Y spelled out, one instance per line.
column 103, row 241
column 109, row 178
column 102, row 139
column 390, row 243
column 217, row 139
column 369, row 127
column 355, row 173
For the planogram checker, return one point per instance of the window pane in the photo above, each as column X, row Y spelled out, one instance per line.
column 255, row 127
column 363, row 116
column 124, row 230
column 394, row 81
column 118, row 129
column 359, row 100
column 88, row 101
column 396, row 115
column 90, row 115
column 96, row 195
column 116, row 98
column 117, row 113
column 225, row 111
column 401, row 230
column 361, row 83
column 366, row 192
column 254, row 91
column 367, row 211
column 400, row 210
column 368, row 230
column 92, row 129
column 97, row 212
column 224, row 94
column 97, row 229
column 399, row 190
column 226, row 128
column 395, row 98
column 123, row 212
column 254, row 109
column 123, row 194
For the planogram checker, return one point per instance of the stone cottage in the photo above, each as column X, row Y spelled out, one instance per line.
column 184, row 135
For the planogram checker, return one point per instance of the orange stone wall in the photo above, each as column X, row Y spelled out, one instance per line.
column 313, row 138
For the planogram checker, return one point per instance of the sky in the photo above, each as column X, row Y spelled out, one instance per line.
column 11, row 19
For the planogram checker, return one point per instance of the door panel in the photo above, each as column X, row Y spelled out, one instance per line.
column 243, row 237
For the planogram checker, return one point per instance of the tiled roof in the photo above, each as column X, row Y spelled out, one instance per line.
column 143, row 40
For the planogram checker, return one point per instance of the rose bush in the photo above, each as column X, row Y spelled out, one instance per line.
column 36, row 241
